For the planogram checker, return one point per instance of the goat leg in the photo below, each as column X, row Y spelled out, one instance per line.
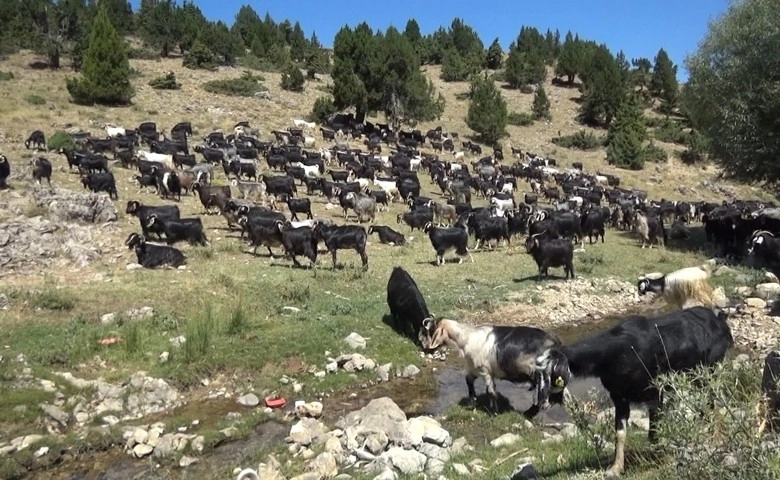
column 622, row 413
column 470, row 378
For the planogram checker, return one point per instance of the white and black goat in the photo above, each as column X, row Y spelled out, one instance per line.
column 629, row 356
column 766, row 246
column 498, row 352
column 687, row 287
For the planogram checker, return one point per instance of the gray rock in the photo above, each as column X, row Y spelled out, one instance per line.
column 435, row 452
column 248, row 400
column 504, row 440
column 408, row 462
column 376, row 442
column 56, row 414
column 141, row 450
column 383, row 372
column 434, row 467
column 185, row 461
column 768, row 291
column 355, row 341
column 387, row 474
column 331, row 367
column 68, row 206
column 410, row 371
column 108, row 319
column 755, row 303
column 324, row 465
column 461, row 469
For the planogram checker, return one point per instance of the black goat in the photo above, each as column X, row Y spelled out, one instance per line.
column 407, row 305
column 489, row 228
column 299, row 241
column 281, row 185
column 36, row 140
column 101, row 182
column 153, row 256
column 298, row 205
column 178, row 230
column 5, row 172
column 592, row 224
column 387, row 234
column 146, row 181
column 551, row 252
column 765, row 246
column 262, row 235
column 444, row 239
column 143, row 212
column 168, row 184
column 628, row 357
column 416, row 218
column 343, row 237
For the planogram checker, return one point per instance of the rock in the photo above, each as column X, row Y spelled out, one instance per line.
column 380, row 415
column 410, row 371
column 68, row 206
column 504, row 440
column 355, row 341
column 755, row 303
column 311, row 409
column 352, row 362
column 387, row 474
column 724, row 270
column 740, row 360
column 56, row 413
column 185, row 461
column 376, row 442
column 141, row 450
column 743, row 291
column 177, row 341
column 48, row 385
column 297, row 387
column 140, row 435
column 164, row 357
column 324, row 465
column 383, row 372
column 408, row 462
column 248, row 400
column 108, row 319
column 427, row 429
column 198, row 443
column 434, row 467
column 26, row 441
column 719, row 297
column 82, row 417
column 307, row 431
column 771, row 277
column 525, row 471
column 460, row 445
column 768, row 291
column 331, row 367
column 435, row 452
column 41, row 452
column 137, row 314
column 461, row 469
column 133, row 266
column 110, row 420
column 333, row 445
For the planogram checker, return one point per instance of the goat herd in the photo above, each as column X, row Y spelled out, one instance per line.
column 578, row 204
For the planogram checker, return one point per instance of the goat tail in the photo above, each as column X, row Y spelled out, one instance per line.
column 248, row 474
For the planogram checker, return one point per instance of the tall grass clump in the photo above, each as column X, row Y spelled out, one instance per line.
column 200, row 335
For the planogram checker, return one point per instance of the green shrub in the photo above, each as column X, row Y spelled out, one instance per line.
column 523, row 119
column 61, row 141
column 200, row 57
column 697, row 148
column 323, row 108
column 654, row 153
column 4, row 76
column 728, row 444
column 292, row 79
column 581, row 140
column 652, row 122
column 671, row 132
column 33, row 99
column 165, row 82
column 52, row 300
column 246, row 85
column 142, row 53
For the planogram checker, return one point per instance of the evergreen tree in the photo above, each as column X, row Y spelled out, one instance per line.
column 603, row 87
column 120, row 12
column 106, row 70
column 487, row 114
column 159, row 25
column 495, row 56
column 626, row 134
column 569, row 59
column 541, row 105
column 192, row 24
column 465, row 40
column 455, row 68
column 246, row 24
column 292, row 79
column 641, row 73
column 297, row 43
column 524, row 68
column 200, row 57
column 412, row 33
column 664, row 81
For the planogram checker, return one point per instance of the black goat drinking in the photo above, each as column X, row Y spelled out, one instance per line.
column 387, row 235
column 407, row 305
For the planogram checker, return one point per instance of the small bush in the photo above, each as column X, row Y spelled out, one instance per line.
column 52, row 300
column 654, row 153
column 323, row 108
column 61, row 141
column 165, row 82
column 33, row 99
column 653, row 122
column 254, row 62
column 142, row 53
column 200, row 335
column 246, row 85
column 582, row 140
column 238, row 321
column 523, row 119
column 200, row 57
column 671, row 132
column 5, row 76
column 292, row 79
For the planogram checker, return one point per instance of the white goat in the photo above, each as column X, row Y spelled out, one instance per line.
column 311, row 171
column 684, row 288
column 304, row 124
column 389, row 187
column 166, row 160
column 114, row 131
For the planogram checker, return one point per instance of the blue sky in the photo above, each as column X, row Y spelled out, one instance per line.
column 638, row 28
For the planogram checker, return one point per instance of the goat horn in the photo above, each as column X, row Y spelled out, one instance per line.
column 537, row 234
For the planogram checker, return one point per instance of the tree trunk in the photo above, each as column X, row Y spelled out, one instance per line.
column 570, row 79
column 360, row 115
column 770, row 386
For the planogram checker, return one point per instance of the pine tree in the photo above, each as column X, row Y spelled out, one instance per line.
column 541, row 105
column 664, row 81
column 297, row 43
column 106, row 70
column 626, row 134
column 199, row 57
column 455, row 68
column 487, row 114
column 495, row 56
column 569, row 59
column 292, row 79
column 603, row 87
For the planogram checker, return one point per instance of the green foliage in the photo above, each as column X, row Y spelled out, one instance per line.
column 165, row 82
column 524, row 67
column 381, row 72
column 142, row 53
column 322, row 109
column 570, row 60
column 655, row 154
column 246, row 85
column 33, row 99
column 697, row 148
column 292, row 79
column 520, row 119
column 495, row 56
column 655, row 122
column 640, row 75
column 5, row 76
column 670, row 132
column 200, row 336
column 456, row 68
column 663, row 82
column 625, row 136
column 60, row 141
column 733, row 448
column 731, row 96
column 581, row 140
column 541, row 105
column 199, row 57
column 51, row 299
column 487, row 114
column 106, row 71
column 159, row 25
column 603, row 87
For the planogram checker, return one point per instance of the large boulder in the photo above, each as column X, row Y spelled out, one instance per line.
column 70, row 206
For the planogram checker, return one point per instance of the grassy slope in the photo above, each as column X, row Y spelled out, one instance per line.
column 248, row 340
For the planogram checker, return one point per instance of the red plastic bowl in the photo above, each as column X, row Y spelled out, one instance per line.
column 275, row 402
